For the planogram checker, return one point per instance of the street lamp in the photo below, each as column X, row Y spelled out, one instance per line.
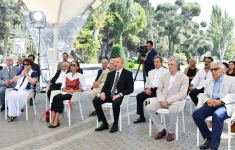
column 38, row 20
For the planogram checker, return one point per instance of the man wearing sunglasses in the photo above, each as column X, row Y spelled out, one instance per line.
column 197, row 85
column 219, row 98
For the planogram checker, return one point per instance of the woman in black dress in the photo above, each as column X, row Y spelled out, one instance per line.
column 191, row 70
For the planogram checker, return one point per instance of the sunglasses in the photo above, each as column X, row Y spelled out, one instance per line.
column 214, row 69
column 26, row 64
column 73, row 65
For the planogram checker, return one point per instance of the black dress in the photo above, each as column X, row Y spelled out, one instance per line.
column 232, row 74
column 191, row 73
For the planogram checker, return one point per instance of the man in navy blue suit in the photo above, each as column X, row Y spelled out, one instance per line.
column 148, row 59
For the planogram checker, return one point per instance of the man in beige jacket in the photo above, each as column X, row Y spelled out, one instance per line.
column 218, row 101
column 172, row 89
column 97, row 85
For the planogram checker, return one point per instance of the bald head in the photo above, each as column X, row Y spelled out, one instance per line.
column 64, row 66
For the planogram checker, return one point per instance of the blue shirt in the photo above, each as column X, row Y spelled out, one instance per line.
column 216, row 88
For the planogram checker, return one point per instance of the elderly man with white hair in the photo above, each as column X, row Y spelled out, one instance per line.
column 219, row 98
column 6, row 74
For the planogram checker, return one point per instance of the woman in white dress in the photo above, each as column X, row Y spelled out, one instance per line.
column 25, row 82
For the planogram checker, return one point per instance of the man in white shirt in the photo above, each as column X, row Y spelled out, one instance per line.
column 58, row 79
column 197, row 84
column 150, row 87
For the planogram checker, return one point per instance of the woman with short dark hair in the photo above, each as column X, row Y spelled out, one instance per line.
column 25, row 82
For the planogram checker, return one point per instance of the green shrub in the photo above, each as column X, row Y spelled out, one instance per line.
column 118, row 51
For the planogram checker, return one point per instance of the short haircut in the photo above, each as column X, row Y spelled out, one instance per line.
column 210, row 58
column 29, row 61
column 231, row 62
column 160, row 58
column 105, row 60
column 149, row 42
column 121, row 59
column 66, row 54
column 226, row 64
column 31, row 55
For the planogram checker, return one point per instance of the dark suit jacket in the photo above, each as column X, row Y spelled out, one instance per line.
column 125, row 83
column 148, row 64
column 98, row 74
column 36, row 68
column 53, row 80
column 1, row 67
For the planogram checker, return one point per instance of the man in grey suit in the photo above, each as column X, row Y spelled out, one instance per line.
column 172, row 89
column 6, row 75
column 219, row 98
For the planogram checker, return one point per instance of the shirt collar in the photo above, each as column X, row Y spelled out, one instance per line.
column 120, row 71
column 220, row 79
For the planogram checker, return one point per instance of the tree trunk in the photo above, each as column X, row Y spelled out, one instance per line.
column 5, row 47
column 222, row 52
column 96, row 33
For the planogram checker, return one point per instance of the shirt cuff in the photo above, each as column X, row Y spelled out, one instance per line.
column 120, row 94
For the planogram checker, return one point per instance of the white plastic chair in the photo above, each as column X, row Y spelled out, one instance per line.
column 75, row 98
column 30, row 96
column 110, row 106
column 163, row 112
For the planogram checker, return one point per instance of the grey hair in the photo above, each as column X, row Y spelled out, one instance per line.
column 221, row 65
column 176, row 61
column 105, row 61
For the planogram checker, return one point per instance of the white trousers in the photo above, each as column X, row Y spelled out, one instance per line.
column 16, row 100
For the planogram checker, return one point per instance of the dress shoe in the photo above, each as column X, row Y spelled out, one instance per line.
column 113, row 129
column 102, row 127
column 160, row 135
column 139, row 120
column 92, row 114
column 170, row 137
column 52, row 126
column 206, row 145
column 10, row 119
column 3, row 107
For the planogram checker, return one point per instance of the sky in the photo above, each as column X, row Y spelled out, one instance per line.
column 206, row 8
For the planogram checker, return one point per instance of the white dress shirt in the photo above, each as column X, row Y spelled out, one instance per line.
column 200, row 78
column 61, row 77
column 154, row 76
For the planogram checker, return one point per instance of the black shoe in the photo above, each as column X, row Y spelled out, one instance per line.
column 10, row 119
column 92, row 114
column 31, row 102
column 3, row 107
column 139, row 120
column 51, row 126
column 206, row 145
column 102, row 127
column 113, row 129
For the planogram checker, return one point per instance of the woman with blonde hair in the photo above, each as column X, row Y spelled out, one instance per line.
column 191, row 70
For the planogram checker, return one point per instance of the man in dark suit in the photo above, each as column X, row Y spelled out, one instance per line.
column 118, row 84
column 148, row 59
column 35, row 66
column 57, row 80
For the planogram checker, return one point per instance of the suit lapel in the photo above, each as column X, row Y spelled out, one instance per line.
column 211, row 87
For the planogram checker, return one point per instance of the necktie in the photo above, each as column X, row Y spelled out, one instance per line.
column 9, row 71
column 115, row 84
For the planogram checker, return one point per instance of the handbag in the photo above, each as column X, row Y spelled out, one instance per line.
column 45, row 116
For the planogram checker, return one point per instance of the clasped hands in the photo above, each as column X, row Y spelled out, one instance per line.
column 213, row 102
column 103, row 96
column 164, row 104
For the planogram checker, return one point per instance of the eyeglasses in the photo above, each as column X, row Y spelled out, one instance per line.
column 214, row 69
column 26, row 64
column 73, row 65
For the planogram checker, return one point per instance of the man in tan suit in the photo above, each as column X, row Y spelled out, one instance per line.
column 172, row 89
column 219, row 102
column 97, row 85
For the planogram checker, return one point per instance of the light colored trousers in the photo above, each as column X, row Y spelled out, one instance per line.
column 172, row 116
column 16, row 100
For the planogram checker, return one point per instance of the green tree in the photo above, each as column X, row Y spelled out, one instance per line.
column 174, row 20
column 118, row 51
column 221, row 30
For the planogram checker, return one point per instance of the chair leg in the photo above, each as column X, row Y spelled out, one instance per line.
column 120, row 120
column 150, row 127
column 177, row 128
column 229, row 135
column 197, row 136
column 6, row 108
column 46, row 101
column 190, row 107
column 69, row 114
column 111, row 114
column 164, row 120
column 97, row 123
column 128, row 115
column 26, row 111
column 34, row 107
column 183, row 121
column 80, row 107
